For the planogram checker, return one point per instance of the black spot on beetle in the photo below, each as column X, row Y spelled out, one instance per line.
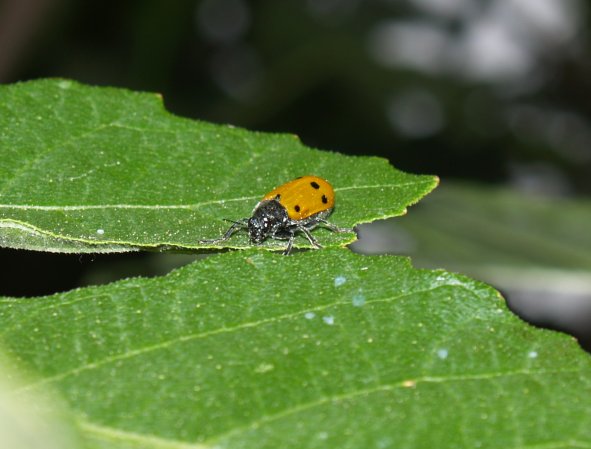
column 324, row 199
column 297, row 208
column 315, row 185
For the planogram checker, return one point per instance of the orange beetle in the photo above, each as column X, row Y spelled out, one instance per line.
column 296, row 206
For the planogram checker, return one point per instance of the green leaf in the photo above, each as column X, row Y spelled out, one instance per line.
column 31, row 421
column 326, row 349
column 466, row 226
column 87, row 169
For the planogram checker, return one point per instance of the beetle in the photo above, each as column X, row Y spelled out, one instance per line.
column 297, row 206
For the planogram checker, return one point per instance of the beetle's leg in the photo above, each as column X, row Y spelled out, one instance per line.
column 236, row 226
column 287, row 249
column 333, row 227
column 310, row 237
column 285, row 234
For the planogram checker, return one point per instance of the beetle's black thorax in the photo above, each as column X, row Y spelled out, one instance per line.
column 268, row 217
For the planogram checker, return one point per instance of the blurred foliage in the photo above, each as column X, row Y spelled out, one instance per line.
column 459, row 223
column 32, row 419
column 489, row 91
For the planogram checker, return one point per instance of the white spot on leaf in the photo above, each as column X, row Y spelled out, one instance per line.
column 339, row 280
column 328, row 319
column 264, row 368
column 358, row 299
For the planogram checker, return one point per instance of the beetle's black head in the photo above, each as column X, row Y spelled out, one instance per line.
column 267, row 217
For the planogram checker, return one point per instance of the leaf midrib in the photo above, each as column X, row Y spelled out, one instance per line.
column 186, row 206
column 223, row 330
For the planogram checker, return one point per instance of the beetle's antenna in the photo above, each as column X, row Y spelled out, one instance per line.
column 235, row 222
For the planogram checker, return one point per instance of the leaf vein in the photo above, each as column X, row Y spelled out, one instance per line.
column 185, row 338
column 146, row 440
column 177, row 206
column 407, row 383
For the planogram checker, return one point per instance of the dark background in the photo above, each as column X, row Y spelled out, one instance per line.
column 495, row 93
